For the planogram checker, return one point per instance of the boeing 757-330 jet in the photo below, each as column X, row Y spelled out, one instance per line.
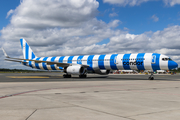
column 100, row 64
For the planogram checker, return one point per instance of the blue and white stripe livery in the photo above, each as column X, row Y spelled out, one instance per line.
column 139, row 61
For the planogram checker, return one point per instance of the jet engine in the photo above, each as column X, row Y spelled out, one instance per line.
column 75, row 70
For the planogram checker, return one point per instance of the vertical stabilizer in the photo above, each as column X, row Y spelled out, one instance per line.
column 27, row 51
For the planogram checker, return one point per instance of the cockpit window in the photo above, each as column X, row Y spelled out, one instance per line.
column 166, row 59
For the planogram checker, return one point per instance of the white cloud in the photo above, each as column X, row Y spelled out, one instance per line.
column 69, row 27
column 113, row 14
column 32, row 16
column 131, row 36
column 138, row 2
column 168, row 38
column 171, row 2
column 9, row 13
column 53, row 13
column 115, row 23
column 125, row 28
column 126, row 2
column 52, row 25
column 155, row 18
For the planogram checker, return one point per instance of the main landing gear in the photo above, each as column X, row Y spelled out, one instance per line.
column 82, row 76
column 66, row 76
column 151, row 77
column 69, row 76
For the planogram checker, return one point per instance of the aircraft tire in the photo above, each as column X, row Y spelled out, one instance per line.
column 82, row 76
column 67, row 76
column 151, row 78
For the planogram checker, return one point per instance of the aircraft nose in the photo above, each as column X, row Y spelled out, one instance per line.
column 172, row 65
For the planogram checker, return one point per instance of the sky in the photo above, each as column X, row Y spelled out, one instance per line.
column 81, row 27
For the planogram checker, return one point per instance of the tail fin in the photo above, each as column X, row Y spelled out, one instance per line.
column 27, row 51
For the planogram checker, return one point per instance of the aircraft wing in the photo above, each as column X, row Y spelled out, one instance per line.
column 15, row 60
column 40, row 61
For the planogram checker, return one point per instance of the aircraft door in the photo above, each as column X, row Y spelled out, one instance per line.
column 118, row 61
column 115, row 60
column 153, row 59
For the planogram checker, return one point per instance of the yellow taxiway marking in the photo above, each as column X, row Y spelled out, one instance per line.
column 26, row 77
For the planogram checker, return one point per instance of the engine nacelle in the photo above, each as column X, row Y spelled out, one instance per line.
column 75, row 70
column 102, row 72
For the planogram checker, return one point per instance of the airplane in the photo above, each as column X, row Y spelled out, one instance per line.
column 99, row 64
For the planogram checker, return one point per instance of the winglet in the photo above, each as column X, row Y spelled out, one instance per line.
column 5, row 53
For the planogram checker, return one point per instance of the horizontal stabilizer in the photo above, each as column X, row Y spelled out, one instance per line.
column 15, row 60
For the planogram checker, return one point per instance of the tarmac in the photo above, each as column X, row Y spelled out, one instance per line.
column 49, row 96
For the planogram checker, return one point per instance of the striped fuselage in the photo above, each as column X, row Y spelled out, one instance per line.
column 139, row 61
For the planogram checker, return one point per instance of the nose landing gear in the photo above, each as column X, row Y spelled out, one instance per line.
column 151, row 77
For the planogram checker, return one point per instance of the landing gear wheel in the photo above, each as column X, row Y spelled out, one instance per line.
column 67, row 76
column 82, row 76
column 151, row 78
